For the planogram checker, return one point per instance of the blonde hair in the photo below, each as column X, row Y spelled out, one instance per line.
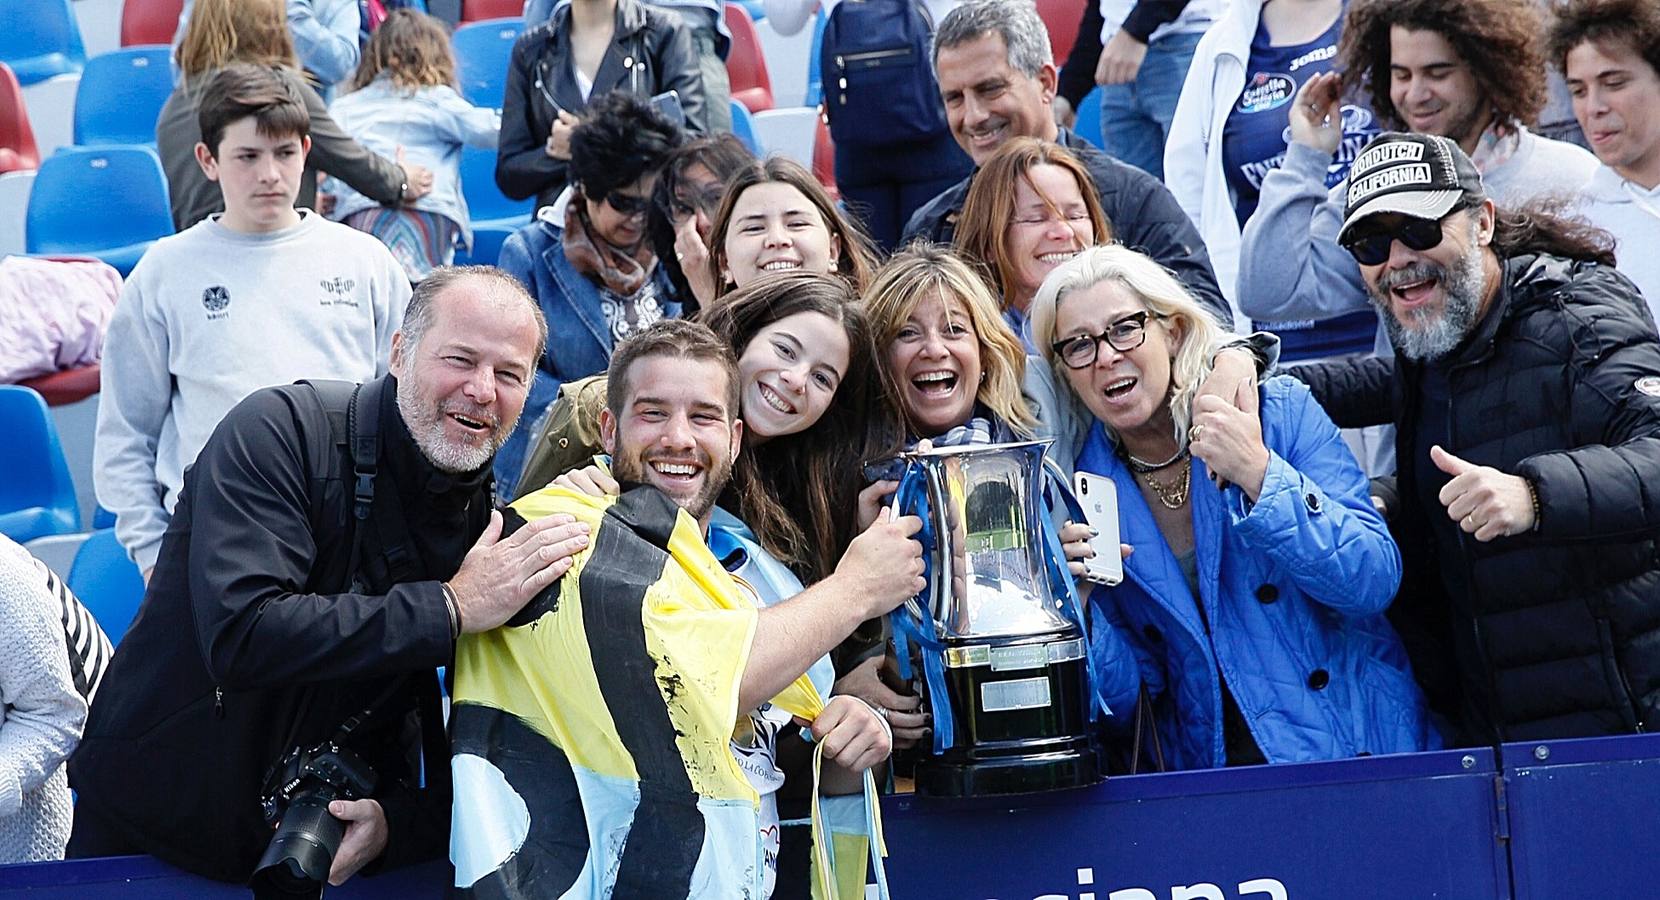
column 923, row 270
column 1159, row 292
column 412, row 47
column 221, row 32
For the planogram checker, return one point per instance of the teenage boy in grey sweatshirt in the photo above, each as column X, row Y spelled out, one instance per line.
column 259, row 295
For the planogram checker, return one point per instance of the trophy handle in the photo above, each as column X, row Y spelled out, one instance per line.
column 908, row 500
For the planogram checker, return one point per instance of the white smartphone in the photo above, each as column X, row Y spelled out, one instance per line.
column 1099, row 497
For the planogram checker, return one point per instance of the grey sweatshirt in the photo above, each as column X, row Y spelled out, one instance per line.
column 208, row 317
column 1290, row 265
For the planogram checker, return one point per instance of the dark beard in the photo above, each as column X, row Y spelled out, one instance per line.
column 631, row 467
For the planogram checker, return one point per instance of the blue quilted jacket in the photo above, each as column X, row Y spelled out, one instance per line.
column 1295, row 587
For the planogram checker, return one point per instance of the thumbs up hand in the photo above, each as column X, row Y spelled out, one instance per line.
column 1483, row 501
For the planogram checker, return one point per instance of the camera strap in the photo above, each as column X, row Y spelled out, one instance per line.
column 397, row 553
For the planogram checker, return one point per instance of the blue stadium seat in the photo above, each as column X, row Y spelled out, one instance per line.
column 494, row 216
column 108, row 202
column 482, row 52
column 107, row 582
column 757, row 11
column 121, row 95
column 37, row 495
column 40, row 39
column 1088, row 125
column 743, row 126
column 815, row 65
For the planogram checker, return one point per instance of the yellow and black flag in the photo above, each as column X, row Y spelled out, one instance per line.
column 591, row 733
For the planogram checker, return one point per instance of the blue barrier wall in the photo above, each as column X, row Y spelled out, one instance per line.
column 1551, row 821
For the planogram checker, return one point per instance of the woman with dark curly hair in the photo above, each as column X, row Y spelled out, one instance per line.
column 1470, row 70
column 589, row 265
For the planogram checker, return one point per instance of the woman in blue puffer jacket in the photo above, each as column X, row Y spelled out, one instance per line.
column 1255, row 595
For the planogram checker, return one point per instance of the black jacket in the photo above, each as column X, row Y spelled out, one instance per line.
column 246, row 644
column 1143, row 215
column 1558, row 634
column 651, row 52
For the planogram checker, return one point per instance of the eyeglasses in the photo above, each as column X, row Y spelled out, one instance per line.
column 1370, row 246
column 627, row 204
column 695, row 201
column 1124, row 335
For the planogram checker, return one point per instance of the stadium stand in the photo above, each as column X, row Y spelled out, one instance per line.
column 149, row 21
column 17, row 138
column 121, row 95
column 40, row 39
column 824, row 158
column 482, row 52
column 37, row 496
column 743, row 126
column 107, row 202
column 107, row 583
column 1088, row 125
column 1061, row 18
column 479, row 10
column 746, row 65
column 493, row 215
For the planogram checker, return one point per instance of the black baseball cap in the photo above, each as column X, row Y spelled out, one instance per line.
column 1420, row 175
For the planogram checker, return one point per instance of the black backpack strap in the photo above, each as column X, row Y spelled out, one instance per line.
column 397, row 559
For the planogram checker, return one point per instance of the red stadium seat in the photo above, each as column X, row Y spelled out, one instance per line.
column 478, row 10
column 67, row 385
column 745, row 65
column 149, row 21
column 17, row 139
column 1061, row 17
column 824, row 158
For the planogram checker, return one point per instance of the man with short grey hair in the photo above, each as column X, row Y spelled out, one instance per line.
column 330, row 544
column 997, row 80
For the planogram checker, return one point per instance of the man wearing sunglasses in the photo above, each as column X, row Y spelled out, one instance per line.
column 1469, row 70
column 1524, row 385
column 586, row 259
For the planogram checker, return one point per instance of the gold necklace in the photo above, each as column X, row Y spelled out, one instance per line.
column 1174, row 495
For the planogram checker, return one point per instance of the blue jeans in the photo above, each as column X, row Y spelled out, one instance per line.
column 1135, row 117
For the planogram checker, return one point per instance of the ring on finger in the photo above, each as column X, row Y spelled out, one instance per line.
column 1194, row 432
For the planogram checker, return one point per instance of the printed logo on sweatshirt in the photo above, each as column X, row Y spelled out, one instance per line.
column 1267, row 90
column 1648, row 384
column 216, row 298
column 339, row 291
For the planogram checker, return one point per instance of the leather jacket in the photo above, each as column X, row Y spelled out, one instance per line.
column 651, row 52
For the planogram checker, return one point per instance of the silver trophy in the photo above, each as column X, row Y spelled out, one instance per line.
column 999, row 638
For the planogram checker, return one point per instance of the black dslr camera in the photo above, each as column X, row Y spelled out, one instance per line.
column 296, row 804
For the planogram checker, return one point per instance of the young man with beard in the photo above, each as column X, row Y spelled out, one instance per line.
column 1609, row 50
column 622, row 726
column 1468, row 70
column 1525, row 389
column 302, row 580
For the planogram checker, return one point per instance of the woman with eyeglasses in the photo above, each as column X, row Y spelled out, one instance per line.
column 590, row 266
column 1032, row 206
column 683, row 209
column 1254, row 603
column 587, row 50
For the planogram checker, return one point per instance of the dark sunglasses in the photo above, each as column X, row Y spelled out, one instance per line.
column 626, row 204
column 1370, row 246
column 1124, row 335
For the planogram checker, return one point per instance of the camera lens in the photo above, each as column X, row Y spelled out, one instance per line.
column 297, row 861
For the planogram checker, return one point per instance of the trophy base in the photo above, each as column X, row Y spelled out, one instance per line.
column 1078, row 764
